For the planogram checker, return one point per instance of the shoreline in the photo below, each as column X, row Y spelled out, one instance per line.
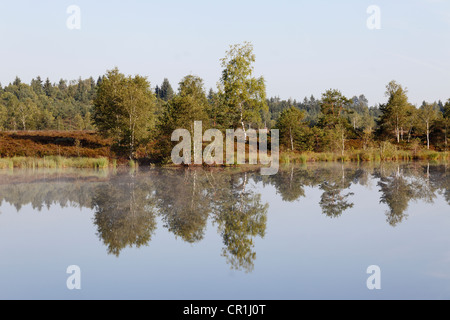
column 286, row 158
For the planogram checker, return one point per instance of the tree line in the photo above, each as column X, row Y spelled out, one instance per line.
column 141, row 119
column 42, row 105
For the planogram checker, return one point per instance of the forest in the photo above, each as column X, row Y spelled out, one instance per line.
column 126, row 117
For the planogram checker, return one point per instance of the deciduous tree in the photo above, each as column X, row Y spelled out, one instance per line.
column 123, row 109
column 289, row 124
column 395, row 113
column 428, row 114
column 243, row 95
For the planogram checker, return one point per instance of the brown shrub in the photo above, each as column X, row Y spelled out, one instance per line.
column 54, row 143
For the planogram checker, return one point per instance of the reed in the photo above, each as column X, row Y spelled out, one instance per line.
column 53, row 162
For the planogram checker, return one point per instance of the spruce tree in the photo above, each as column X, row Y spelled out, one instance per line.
column 36, row 85
column 166, row 92
column 48, row 88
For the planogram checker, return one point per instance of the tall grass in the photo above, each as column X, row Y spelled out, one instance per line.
column 434, row 155
column 53, row 162
column 386, row 154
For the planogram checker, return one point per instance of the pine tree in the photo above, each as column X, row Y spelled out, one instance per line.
column 48, row 88
column 17, row 81
column 166, row 92
column 334, row 120
column 333, row 108
column 36, row 85
column 99, row 81
column 447, row 109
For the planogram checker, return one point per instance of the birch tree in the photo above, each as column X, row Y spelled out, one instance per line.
column 428, row 114
column 243, row 95
column 290, row 121
column 123, row 109
column 396, row 112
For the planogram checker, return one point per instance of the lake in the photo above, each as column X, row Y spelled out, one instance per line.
column 309, row 232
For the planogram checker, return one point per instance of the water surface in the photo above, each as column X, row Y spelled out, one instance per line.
column 310, row 232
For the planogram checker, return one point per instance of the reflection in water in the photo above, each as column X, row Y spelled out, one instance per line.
column 399, row 186
column 124, row 214
column 240, row 216
column 127, row 205
column 183, row 202
column 334, row 201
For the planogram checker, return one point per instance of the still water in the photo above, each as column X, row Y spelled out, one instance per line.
column 310, row 232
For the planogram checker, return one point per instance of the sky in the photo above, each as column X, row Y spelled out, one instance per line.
column 302, row 48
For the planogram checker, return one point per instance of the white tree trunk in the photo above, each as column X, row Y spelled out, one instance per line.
column 292, row 138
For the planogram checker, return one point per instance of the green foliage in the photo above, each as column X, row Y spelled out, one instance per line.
column 428, row 114
column 243, row 96
column 292, row 128
column 124, row 215
column 124, row 109
column 3, row 117
column 166, row 92
column 188, row 106
column 397, row 112
column 216, row 112
column 38, row 105
column 447, row 109
column 388, row 151
column 334, row 109
column 53, row 162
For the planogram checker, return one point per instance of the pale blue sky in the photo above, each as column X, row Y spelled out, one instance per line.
column 302, row 47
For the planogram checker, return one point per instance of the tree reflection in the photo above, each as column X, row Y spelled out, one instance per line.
column 241, row 217
column 396, row 193
column 124, row 214
column 127, row 206
column 334, row 201
column 401, row 185
column 289, row 183
column 439, row 179
column 182, row 202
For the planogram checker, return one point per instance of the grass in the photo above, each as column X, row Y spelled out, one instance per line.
column 53, row 162
column 370, row 155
